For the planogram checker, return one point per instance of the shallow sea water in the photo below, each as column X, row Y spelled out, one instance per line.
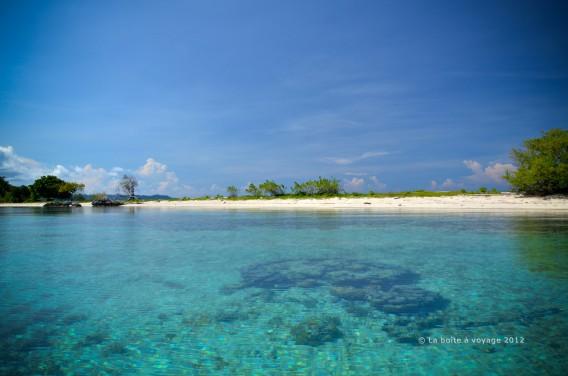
column 127, row 291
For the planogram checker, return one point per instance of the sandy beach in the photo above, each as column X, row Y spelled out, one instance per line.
column 465, row 203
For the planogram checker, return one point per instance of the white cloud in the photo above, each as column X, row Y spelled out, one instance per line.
column 95, row 179
column 447, row 184
column 154, row 177
column 377, row 184
column 353, row 185
column 350, row 160
column 493, row 173
column 152, row 167
column 17, row 169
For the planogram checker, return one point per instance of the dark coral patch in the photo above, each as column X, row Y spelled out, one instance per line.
column 316, row 331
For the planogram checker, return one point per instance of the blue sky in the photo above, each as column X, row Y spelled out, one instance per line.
column 194, row 96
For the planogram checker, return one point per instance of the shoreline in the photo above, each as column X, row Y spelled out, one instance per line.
column 465, row 203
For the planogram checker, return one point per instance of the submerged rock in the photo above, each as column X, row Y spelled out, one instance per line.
column 115, row 348
column 316, row 331
column 318, row 272
column 62, row 204
column 361, row 286
column 407, row 300
column 408, row 329
column 74, row 318
column 93, row 339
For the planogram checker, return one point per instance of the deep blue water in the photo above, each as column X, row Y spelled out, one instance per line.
column 170, row 292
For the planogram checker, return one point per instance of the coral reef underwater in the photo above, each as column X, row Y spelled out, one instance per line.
column 357, row 284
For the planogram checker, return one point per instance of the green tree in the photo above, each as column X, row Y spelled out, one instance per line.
column 232, row 191
column 5, row 187
column 542, row 165
column 271, row 188
column 68, row 189
column 252, row 190
column 20, row 194
column 48, row 187
column 322, row 186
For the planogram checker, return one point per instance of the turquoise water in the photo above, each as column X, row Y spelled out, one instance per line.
column 171, row 292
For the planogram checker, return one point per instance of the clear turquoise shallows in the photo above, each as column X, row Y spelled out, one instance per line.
column 138, row 291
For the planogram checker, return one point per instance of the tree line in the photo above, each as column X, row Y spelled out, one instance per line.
column 44, row 188
column 542, row 170
column 49, row 187
column 270, row 188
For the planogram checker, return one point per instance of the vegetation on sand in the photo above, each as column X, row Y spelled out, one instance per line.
column 542, row 165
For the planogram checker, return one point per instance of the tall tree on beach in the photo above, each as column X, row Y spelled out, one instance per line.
column 128, row 185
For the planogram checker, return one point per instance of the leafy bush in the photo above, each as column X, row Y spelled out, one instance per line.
column 232, row 191
column 252, row 190
column 542, row 165
column 322, row 186
column 271, row 188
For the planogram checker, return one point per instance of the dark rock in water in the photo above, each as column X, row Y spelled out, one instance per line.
column 115, row 348
column 62, row 204
column 408, row 329
column 232, row 288
column 93, row 339
column 349, row 293
column 361, row 286
column 162, row 316
column 74, row 318
column 316, row 331
column 229, row 316
column 317, row 272
column 47, row 314
column 407, row 299
column 358, row 310
column 106, row 203
column 39, row 339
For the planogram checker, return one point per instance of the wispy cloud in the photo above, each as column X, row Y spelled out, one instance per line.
column 18, row 169
column 319, row 123
column 351, row 160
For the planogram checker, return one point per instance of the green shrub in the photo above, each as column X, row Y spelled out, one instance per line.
column 271, row 188
column 252, row 190
column 232, row 191
column 542, row 165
